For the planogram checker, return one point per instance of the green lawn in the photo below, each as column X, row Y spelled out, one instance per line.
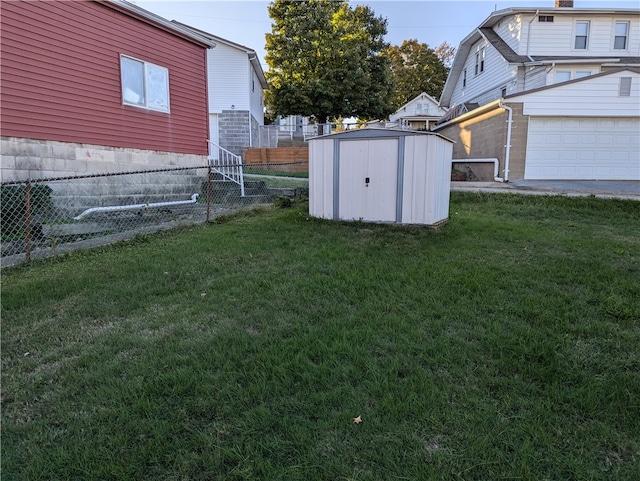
column 504, row 346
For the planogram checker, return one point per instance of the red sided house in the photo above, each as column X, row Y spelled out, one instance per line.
column 98, row 87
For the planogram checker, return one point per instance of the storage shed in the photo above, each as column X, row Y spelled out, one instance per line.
column 380, row 175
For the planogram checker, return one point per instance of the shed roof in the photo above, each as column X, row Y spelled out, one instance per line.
column 377, row 133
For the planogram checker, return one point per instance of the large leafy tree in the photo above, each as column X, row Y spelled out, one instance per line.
column 325, row 60
column 418, row 68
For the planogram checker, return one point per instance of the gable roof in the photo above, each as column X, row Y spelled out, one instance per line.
column 485, row 30
column 418, row 97
column 253, row 56
column 157, row 21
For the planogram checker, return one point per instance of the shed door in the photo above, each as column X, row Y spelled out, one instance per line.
column 583, row 148
column 375, row 161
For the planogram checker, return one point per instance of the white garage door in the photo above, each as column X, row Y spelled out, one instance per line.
column 583, row 148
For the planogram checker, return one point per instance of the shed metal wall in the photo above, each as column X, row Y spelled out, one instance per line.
column 321, row 178
column 427, row 180
column 413, row 171
column 60, row 78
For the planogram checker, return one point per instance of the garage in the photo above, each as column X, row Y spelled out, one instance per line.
column 583, row 148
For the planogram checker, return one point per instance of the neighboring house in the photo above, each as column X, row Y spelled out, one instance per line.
column 236, row 84
column 97, row 87
column 420, row 113
column 549, row 93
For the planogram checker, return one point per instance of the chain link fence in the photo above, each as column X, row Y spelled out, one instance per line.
column 47, row 217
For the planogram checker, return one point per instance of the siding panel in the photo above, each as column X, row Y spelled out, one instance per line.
column 60, row 78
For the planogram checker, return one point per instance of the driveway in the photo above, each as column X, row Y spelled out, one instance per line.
column 620, row 189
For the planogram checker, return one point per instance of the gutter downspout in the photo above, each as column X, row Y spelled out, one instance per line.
column 529, row 32
column 507, row 152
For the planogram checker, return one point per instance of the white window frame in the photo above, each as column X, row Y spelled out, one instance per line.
column 564, row 72
column 627, row 24
column 149, row 71
column 464, row 78
column 586, row 37
column 480, row 60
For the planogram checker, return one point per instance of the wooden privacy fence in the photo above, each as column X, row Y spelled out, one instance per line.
column 296, row 157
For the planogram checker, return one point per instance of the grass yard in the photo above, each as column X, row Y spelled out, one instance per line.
column 504, row 346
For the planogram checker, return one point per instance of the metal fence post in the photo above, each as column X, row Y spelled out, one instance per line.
column 208, row 193
column 27, row 221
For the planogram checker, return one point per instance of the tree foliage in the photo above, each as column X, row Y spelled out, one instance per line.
column 325, row 60
column 417, row 68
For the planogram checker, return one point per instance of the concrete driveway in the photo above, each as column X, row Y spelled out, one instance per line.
column 620, row 189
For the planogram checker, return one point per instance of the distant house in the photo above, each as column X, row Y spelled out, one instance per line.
column 98, row 86
column 547, row 93
column 236, row 85
column 420, row 113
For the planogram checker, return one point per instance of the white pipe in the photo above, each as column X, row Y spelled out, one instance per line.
column 115, row 208
column 507, row 152
column 496, row 165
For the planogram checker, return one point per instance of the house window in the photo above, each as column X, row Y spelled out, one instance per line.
column 144, row 84
column 503, row 91
column 479, row 66
column 625, row 87
column 563, row 75
column 582, row 73
column 621, row 35
column 582, row 35
column 464, row 78
column 545, row 18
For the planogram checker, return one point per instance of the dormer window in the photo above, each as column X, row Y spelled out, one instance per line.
column 582, row 35
column 545, row 18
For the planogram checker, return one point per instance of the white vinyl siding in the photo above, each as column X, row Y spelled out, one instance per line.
column 485, row 87
column 597, row 97
column 558, row 38
column 510, row 30
column 256, row 97
column 228, row 78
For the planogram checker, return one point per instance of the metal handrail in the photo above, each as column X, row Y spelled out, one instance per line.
column 227, row 164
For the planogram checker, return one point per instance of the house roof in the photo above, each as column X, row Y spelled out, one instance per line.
column 485, row 30
column 458, row 114
column 253, row 56
column 423, row 94
column 378, row 133
column 399, row 114
column 157, row 21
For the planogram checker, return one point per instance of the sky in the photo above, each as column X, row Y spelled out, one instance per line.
column 429, row 21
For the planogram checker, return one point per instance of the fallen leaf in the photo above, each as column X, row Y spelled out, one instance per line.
column 357, row 420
